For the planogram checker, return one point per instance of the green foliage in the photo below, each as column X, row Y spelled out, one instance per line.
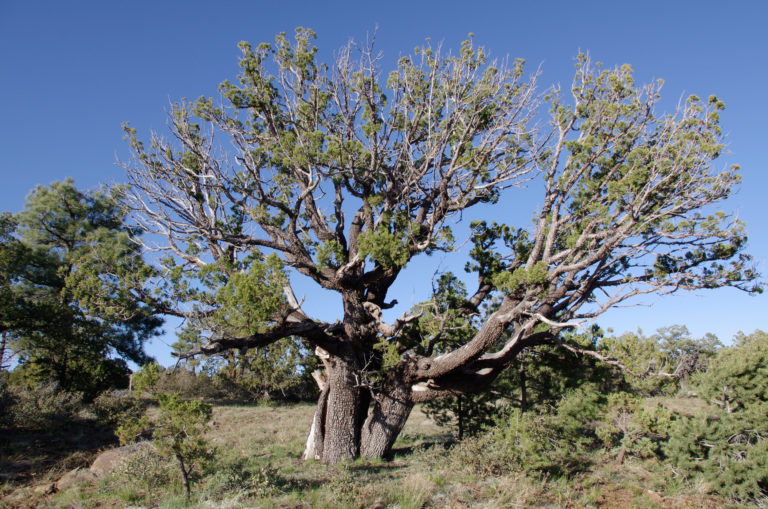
column 140, row 477
column 177, row 432
column 145, row 379
column 521, row 277
column 662, row 363
column 557, row 442
column 249, row 299
column 738, row 376
column 467, row 414
column 113, row 408
column 627, row 423
column 69, row 307
column 384, row 248
column 41, row 407
column 727, row 444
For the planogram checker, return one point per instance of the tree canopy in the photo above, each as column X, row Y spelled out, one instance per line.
column 65, row 252
column 344, row 174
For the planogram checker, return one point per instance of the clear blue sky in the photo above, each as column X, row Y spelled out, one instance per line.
column 71, row 72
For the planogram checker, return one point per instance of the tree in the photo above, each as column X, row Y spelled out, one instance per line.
column 661, row 363
column 727, row 443
column 178, row 431
column 344, row 176
column 68, row 259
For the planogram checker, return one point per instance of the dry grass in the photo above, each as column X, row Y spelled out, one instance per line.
column 258, row 465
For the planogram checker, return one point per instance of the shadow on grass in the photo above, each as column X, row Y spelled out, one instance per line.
column 26, row 454
column 425, row 443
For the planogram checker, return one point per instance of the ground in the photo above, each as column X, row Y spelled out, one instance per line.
column 258, row 465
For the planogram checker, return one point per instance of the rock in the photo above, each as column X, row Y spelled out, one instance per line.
column 108, row 460
column 45, row 489
column 78, row 475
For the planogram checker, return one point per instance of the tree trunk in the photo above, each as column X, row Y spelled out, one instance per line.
column 390, row 411
column 341, row 434
column 314, row 447
column 184, row 474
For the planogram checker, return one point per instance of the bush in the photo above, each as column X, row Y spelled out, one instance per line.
column 557, row 442
column 178, row 431
column 568, row 438
column 727, row 444
column 728, row 451
column 7, row 402
column 113, row 408
column 627, row 425
column 145, row 379
column 42, row 407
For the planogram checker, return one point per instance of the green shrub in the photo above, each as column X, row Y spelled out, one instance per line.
column 146, row 472
column 727, row 444
column 43, row 407
column 7, row 402
column 235, row 477
column 728, row 451
column 113, row 408
column 557, row 442
column 146, row 378
column 635, row 430
column 178, row 432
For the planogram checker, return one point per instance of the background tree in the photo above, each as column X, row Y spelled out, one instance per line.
column 343, row 175
column 69, row 251
column 726, row 444
column 661, row 363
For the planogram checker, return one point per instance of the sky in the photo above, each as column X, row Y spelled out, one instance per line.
column 72, row 72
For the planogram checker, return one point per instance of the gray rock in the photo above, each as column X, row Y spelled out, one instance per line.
column 108, row 460
column 76, row 476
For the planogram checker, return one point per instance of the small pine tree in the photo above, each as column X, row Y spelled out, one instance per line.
column 178, row 432
column 727, row 444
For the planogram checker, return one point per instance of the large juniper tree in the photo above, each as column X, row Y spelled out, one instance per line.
column 344, row 175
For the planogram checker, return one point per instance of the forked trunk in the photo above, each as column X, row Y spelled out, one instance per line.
column 342, row 426
column 314, row 447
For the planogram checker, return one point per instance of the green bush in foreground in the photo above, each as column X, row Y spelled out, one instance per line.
column 178, row 432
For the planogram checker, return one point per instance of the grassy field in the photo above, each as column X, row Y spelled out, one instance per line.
column 258, row 465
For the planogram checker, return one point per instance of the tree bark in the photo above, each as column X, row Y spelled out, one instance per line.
column 391, row 409
column 184, row 474
column 314, row 447
column 341, row 440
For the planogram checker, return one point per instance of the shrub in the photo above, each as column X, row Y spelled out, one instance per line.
column 727, row 444
column 555, row 441
column 729, row 451
column 177, row 432
column 626, row 424
column 113, row 408
column 145, row 472
column 146, row 378
column 43, row 407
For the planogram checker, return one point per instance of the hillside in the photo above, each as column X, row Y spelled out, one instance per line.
column 258, row 465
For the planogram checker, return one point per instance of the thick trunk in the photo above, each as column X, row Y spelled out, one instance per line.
column 342, row 428
column 380, row 430
column 341, row 436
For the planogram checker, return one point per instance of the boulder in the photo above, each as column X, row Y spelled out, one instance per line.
column 108, row 460
column 78, row 475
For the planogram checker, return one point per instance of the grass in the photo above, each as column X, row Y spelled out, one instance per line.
column 258, row 465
